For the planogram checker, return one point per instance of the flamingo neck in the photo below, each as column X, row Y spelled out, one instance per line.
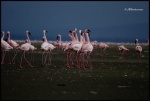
column 87, row 38
column 76, row 37
column 45, row 37
column 28, row 39
column 73, row 38
column 8, row 37
column 81, row 38
column 60, row 39
column 3, row 36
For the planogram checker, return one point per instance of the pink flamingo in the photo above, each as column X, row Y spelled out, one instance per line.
column 86, row 49
column 25, row 47
column 32, row 49
column 56, row 44
column 95, row 46
column 68, row 49
column 76, row 47
column 123, row 49
column 14, row 44
column 103, row 47
column 139, row 50
column 4, row 46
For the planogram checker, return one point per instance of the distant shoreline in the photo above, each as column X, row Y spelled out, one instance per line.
column 39, row 41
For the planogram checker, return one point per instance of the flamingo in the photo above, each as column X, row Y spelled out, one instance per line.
column 4, row 46
column 56, row 44
column 103, row 47
column 76, row 46
column 25, row 47
column 73, row 48
column 136, row 41
column 139, row 50
column 68, row 49
column 95, row 46
column 14, row 44
column 123, row 49
column 32, row 48
column 45, row 47
column 86, row 49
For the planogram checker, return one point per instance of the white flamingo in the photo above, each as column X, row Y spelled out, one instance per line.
column 46, row 47
column 25, row 47
column 14, row 44
column 4, row 46
column 123, row 49
column 103, row 47
column 136, row 41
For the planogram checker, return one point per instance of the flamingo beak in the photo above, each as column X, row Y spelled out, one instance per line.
column 70, row 31
column 89, row 30
column 57, row 37
column 29, row 33
column 81, row 33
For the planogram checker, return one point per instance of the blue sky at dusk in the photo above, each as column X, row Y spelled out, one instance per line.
column 109, row 21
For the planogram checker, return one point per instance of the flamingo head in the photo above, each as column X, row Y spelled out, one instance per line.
column 57, row 37
column 27, row 32
column 80, row 31
column 75, row 30
column 69, row 32
column 2, row 32
column 88, row 31
column 8, row 33
column 45, row 31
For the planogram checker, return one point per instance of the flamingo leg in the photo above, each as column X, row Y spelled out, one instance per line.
column 13, row 59
column 104, row 54
column 27, row 60
column 68, row 59
column 82, row 60
column 45, row 59
column 50, row 58
column 31, row 57
column 77, row 60
column 4, row 52
column 21, row 59
column 9, row 57
column 139, row 57
column 89, row 61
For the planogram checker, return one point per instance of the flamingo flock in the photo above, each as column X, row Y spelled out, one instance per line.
column 77, row 50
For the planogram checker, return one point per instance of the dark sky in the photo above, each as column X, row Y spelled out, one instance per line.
column 109, row 21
